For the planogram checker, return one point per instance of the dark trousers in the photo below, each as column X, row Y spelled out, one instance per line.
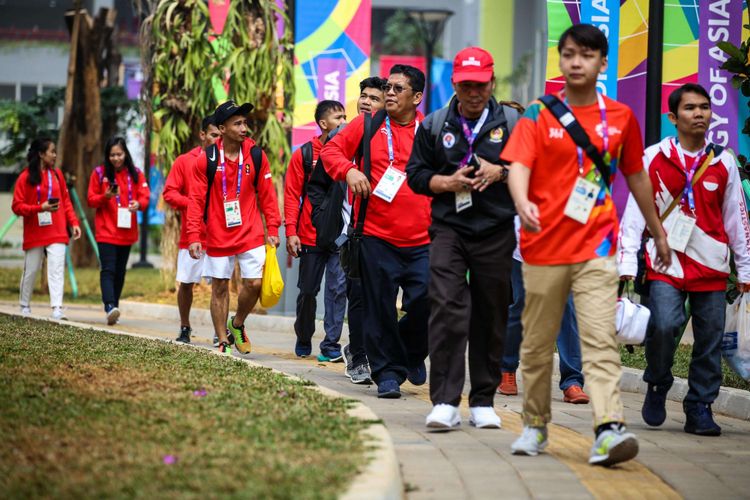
column 114, row 263
column 356, row 336
column 473, row 311
column 313, row 263
column 708, row 310
column 394, row 346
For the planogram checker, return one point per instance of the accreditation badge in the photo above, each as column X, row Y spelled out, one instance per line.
column 582, row 200
column 679, row 232
column 232, row 213
column 389, row 184
column 44, row 218
column 124, row 218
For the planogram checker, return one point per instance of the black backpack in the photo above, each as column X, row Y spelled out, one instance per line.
column 327, row 196
column 212, row 161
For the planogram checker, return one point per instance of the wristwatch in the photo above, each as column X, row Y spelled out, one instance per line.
column 504, row 174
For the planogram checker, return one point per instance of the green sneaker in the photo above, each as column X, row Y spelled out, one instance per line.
column 613, row 446
column 241, row 340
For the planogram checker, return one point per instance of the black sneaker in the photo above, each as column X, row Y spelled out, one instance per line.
column 700, row 420
column 185, row 332
column 654, row 411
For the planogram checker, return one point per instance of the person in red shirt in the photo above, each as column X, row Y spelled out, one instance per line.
column 714, row 218
column 39, row 195
column 117, row 190
column 568, row 240
column 301, row 242
column 234, row 229
column 176, row 194
column 394, row 248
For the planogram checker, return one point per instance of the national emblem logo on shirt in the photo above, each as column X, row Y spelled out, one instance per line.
column 247, row 169
column 449, row 140
column 496, row 135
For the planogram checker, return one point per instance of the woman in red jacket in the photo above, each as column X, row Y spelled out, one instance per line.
column 117, row 190
column 38, row 197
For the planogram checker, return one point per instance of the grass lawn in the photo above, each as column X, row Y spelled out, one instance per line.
column 681, row 365
column 85, row 414
column 144, row 285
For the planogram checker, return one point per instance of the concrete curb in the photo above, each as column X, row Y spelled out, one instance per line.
column 381, row 477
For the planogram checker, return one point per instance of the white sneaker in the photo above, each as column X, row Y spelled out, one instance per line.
column 484, row 417
column 113, row 315
column 531, row 442
column 444, row 417
column 25, row 310
column 613, row 447
column 57, row 313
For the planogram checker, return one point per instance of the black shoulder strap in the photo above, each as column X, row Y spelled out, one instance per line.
column 256, row 153
column 307, row 166
column 372, row 125
column 717, row 149
column 212, row 161
column 579, row 136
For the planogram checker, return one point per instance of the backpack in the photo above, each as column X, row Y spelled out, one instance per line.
column 212, row 157
column 327, row 196
column 307, row 167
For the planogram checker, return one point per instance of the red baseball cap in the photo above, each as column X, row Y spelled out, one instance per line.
column 473, row 64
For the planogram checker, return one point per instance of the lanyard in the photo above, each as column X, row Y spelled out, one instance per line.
column 471, row 135
column 130, row 191
column 605, row 129
column 49, row 188
column 687, row 193
column 389, row 134
column 240, row 161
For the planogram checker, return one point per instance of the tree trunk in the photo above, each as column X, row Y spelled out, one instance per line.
column 80, row 135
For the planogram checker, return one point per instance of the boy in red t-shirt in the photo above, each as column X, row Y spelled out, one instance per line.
column 568, row 243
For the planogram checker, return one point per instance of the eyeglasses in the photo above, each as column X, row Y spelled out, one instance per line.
column 396, row 88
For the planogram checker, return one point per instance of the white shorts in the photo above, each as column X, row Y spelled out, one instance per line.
column 189, row 270
column 251, row 264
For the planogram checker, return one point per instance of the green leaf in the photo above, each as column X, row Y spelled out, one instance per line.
column 731, row 50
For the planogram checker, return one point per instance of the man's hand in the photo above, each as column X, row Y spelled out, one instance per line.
column 663, row 254
column 529, row 214
column 358, row 183
column 457, row 182
column 133, row 206
column 273, row 240
column 487, row 174
column 76, row 232
column 743, row 287
column 50, row 207
column 196, row 250
column 293, row 245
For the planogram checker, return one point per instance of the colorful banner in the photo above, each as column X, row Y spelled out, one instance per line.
column 605, row 15
column 331, row 57
column 720, row 22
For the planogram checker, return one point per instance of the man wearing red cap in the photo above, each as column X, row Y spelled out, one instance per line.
column 455, row 161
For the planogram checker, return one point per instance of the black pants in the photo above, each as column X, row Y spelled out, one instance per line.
column 393, row 346
column 355, row 313
column 114, row 262
column 473, row 311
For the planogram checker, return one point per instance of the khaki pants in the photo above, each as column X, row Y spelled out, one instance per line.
column 594, row 286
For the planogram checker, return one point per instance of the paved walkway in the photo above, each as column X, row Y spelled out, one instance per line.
column 473, row 463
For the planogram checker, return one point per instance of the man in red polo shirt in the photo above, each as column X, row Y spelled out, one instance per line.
column 234, row 229
column 394, row 248
column 301, row 242
column 176, row 194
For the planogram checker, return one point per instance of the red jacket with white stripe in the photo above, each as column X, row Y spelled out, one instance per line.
column 177, row 191
column 721, row 222
column 27, row 204
column 404, row 221
column 298, row 216
column 223, row 241
column 105, row 220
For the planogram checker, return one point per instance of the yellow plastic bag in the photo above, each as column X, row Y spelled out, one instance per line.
column 273, row 284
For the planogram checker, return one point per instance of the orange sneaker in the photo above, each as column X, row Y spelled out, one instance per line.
column 575, row 395
column 508, row 386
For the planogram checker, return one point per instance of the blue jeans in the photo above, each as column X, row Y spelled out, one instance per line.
column 568, row 345
column 708, row 310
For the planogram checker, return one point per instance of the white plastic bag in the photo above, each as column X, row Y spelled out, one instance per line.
column 735, row 346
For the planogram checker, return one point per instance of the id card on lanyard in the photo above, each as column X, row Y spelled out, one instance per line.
column 44, row 218
column 392, row 180
column 124, row 215
column 583, row 197
column 232, row 213
column 682, row 225
column 463, row 198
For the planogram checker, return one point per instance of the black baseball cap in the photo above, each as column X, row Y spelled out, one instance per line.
column 229, row 109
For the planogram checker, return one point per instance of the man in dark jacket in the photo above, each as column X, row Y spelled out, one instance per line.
column 455, row 160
